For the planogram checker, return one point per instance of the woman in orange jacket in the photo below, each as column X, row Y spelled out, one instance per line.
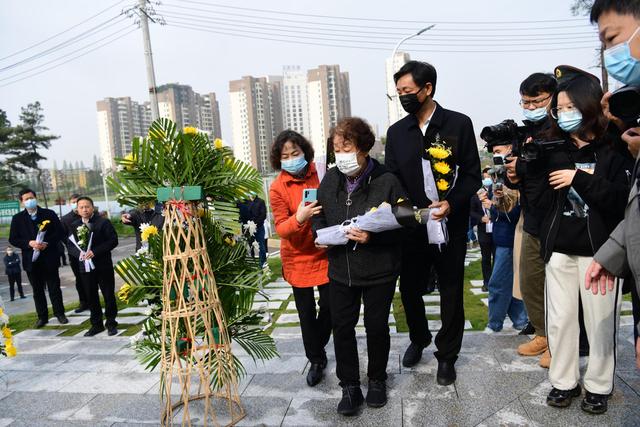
column 303, row 265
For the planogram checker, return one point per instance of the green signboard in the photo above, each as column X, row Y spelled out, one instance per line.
column 9, row 208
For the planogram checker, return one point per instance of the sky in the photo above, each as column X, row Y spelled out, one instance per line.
column 466, row 46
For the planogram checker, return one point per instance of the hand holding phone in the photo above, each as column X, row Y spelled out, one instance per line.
column 309, row 195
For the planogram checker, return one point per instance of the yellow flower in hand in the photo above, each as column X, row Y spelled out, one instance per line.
column 190, row 130
column 43, row 224
column 442, row 168
column 10, row 350
column 218, row 144
column 438, row 152
column 442, row 185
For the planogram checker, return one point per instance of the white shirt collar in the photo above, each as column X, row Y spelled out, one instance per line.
column 426, row 125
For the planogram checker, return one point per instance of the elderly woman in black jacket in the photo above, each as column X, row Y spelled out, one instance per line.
column 584, row 198
column 366, row 268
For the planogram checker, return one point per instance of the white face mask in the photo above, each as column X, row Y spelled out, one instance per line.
column 347, row 163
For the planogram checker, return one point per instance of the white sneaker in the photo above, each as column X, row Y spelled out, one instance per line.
column 488, row 330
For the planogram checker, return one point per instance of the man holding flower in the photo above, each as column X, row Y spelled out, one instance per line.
column 434, row 153
column 92, row 241
column 37, row 231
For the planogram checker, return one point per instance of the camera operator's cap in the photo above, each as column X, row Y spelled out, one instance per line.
column 567, row 73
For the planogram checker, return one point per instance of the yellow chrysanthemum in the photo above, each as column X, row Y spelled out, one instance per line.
column 149, row 231
column 190, row 130
column 131, row 160
column 230, row 241
column 11, row 351
column 1, row 311
column 6, row 332
column 438, row 152
column 218, row 144
column 442, row 184
column 124, row 292
column 43, row 224
column 442, row 168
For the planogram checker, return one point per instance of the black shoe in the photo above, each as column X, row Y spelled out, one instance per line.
column 351, row 401
column 527, row 330
column 316, row 372
column 377, row 394
column 41, row 322
column 413, row 354
column 94, row 331
column 81, row 309
column 446, row 372
column 13, row 299
column 484, row 288
column 112, row 331
column 594, row 403
column 562, row 398
column 22, row 297
column 63, row 319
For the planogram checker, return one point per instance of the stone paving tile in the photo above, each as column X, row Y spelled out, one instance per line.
column 393, row 364
column 478, row 291
column 73, row 320
column 431, row 298
column 133, row 310
column 43, row 381
column 286, row 386
column 476, row 283
column 269, row 305
column 37, row 345
column 4, row 422
column 467, row 362
column 513, row 414
column 418, row 386
column 286, row 332
column 39, row 333
column 130, row 320
column 47, row 406
column 279, row 365
column 288, row 318
column 34, row 362
column 90, row 345
column 131, row 408
column 99, row 363
column 511, row 361
column 112, row 383
column 322, row 412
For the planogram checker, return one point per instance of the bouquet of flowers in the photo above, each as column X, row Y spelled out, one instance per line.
column 439, row 178
column 42, row 231
column 6, row 348
column 381, row 218
column 85, row 238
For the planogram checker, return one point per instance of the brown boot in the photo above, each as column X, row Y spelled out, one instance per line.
column 545, row 359
column 536, row 346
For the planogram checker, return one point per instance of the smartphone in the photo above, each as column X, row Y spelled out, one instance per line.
column 309, row 195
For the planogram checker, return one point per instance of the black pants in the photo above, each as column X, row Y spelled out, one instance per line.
column 15, row 279
column 75, row 267
column 345, row 311
column 104, row 280
column 41, row 277
column 635, row 301
column 488, row 252
column 417, row 258
column 315, row 324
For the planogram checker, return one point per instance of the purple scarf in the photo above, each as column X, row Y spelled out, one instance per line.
column 352, row 185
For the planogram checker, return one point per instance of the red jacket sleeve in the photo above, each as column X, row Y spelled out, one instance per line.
column 286, row 223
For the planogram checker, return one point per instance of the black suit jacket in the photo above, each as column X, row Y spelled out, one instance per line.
column 23, row 229
column 66, row 220
column 405, row 149
column 104, row 240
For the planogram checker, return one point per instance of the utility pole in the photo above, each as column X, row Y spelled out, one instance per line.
column 148, row 57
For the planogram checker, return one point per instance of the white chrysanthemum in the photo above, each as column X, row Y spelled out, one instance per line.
column 143, row 250
column 147, row 311
column 255, row 246
column 4, row 319
column 134, row 339
column 251, row 227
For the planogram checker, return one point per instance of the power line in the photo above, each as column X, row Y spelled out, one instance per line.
column 61, row 32
column 69, row 60
column 493, row 42
column 372, row 26
column 87, row 33
column 386, row 34
column 277, row 12
column 66, row 55
column 352, row 46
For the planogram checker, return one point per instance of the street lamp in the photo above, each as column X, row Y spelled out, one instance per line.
column 395, row 50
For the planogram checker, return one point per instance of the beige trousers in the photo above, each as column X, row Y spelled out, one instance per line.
column 565, row 284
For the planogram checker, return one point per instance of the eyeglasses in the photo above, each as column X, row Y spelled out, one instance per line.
column 567, row 109
column 534, row 102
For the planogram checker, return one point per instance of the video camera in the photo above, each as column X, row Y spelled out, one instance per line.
column 508, row 132
column 625, row 104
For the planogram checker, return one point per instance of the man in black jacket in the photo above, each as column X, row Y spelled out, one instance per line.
column 103, row 240
column 405, row 150
column 66, row 220
column 43, row 272
column 258, row 214
column 149, row 214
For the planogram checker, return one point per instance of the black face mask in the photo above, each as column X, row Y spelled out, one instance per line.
column 410, row 102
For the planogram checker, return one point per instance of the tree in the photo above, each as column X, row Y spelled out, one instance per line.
column 7, row 181
column 23, row 149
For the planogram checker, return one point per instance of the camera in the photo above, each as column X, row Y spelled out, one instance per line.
column 508, row 132
column 625, row 104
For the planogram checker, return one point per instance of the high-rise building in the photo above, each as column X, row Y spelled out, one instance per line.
column 294, row 96
column 328, row 100
column 121, row 119
column 395, row 111
column 256, row 119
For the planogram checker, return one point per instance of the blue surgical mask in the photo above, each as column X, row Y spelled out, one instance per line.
column 487, row 182
column 74, row 206
column 31, row 204
column 294, row 165
column 535, row 115
column 621, row 65
column 569, row 121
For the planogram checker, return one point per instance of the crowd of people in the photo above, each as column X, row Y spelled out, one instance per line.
column 556, row 222
column 556, row 214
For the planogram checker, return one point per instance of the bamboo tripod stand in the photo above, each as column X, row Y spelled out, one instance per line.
column 196, row 349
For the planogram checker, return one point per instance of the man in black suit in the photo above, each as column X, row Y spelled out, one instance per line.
column 68, row 219
column 405, row 152
column 149, row 214
column 104, row 239
column 43, row 272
